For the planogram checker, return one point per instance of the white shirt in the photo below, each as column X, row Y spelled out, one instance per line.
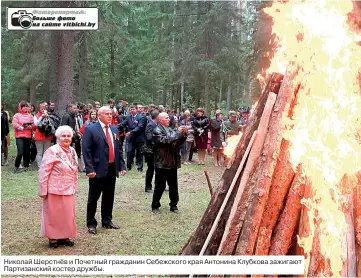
column 110, row 133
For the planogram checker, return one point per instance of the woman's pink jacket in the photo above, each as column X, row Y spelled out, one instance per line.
column 58, row 173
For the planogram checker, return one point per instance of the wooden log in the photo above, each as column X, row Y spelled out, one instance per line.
column 304, row 232
column 267, row 163
column 357, row 224
column 281, row 182
column 316, row 257
column 228, row 240
column 240, row 168
column 350, row 237
column 283, row 233
column 208, row 181
column 199, row 236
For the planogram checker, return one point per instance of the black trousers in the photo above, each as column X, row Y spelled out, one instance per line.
column 134, row 149
column 106, row 187
column 163, row 176
column 150, row 171
column 23, row 151
column 121, row 144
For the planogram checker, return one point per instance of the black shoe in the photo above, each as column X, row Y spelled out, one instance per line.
column 111, row 226
column 174, row 210
column 66, row 242
column 17, row 171
column 148, row 190
column 92, row 230
column 156, row 211
column 53, row 244
column 140, row 170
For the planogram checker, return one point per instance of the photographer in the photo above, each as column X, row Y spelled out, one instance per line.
column 167, row 143
column 44, row 132
column 23, row 124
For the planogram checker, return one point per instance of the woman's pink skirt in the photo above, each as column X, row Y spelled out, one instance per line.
column 58, row 219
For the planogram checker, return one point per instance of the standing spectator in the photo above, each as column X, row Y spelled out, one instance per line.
column 120, row 118
column 232, row 125
column 33, row 109
column 200, row 126
column 135, row 123
column 97, row 105
column 111, row 104
column 5, row 138
column 71, row 119
column 167, row 143
column 190, row 136
column 149, row 156
column 43, row 133
column 217, row 138
column 53, row 116
column 92, row 119
column 23, row 124
column 58, row 181
column 103, row 162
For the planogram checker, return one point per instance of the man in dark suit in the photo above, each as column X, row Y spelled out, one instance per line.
column 103, row 162
column 149, row 157
column 135, row 123
column 167, row 143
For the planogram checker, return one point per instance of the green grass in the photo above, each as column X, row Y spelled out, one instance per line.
column 141, row 232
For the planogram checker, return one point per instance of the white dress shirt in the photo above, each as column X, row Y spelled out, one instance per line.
column 110, row 133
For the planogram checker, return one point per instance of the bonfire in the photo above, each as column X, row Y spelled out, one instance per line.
column 293, row 185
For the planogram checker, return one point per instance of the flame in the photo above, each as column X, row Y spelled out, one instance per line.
column 232, row 141
column 326, row 116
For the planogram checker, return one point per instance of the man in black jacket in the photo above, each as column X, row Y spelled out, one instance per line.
column 167, row 143
column 135, row 123
column 4, row 134
column 149, row 157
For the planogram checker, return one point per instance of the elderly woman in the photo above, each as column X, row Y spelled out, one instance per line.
column 58, row 179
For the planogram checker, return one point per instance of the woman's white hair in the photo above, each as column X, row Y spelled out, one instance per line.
column 62, row 129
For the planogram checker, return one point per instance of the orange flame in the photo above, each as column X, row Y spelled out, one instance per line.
column 326, row 117
column 233, row 140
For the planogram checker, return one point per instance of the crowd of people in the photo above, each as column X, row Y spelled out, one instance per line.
column 91, row 138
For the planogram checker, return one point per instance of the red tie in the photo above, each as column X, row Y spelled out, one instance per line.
column 110, row 144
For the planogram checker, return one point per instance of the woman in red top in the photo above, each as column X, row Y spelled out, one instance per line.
column 23, row 124
column 42, row 137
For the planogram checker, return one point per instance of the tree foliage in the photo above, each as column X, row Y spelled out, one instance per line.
column 142, row 52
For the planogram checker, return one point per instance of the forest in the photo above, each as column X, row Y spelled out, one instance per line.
column 179, row 54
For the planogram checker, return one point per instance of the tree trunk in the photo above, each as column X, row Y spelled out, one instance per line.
column 112, row 64
column 182, row 95
column 207, row 94
column 229, row 96
column 32, row 89
column 196, row 241
column 64, row 69
column 53, row 90
column 267, row 164
column 83, row 68
column 164, row 100
column 220, row 95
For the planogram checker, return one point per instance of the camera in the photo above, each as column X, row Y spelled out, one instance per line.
column 22, row 18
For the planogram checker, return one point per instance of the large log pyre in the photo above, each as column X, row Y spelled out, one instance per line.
column 264, row 216
column 298, row 188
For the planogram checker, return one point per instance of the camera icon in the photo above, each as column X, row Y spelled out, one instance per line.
column 22, row 18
